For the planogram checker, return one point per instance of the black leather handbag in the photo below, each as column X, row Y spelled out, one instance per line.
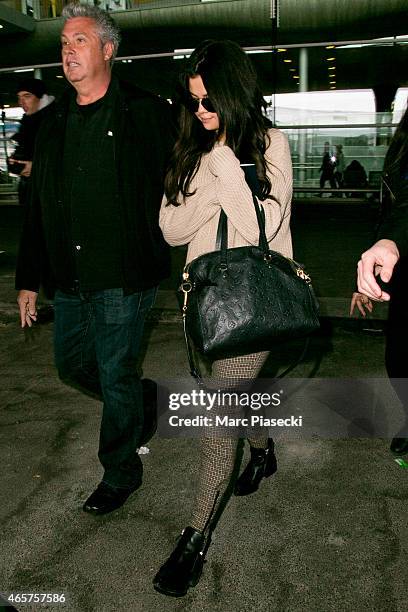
column 245, row 299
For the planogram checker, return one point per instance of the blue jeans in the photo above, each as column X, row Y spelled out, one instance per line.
column 97, row 337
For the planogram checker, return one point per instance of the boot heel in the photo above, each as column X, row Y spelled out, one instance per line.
column 184, row 567
column 271, row 464
column 261, row 465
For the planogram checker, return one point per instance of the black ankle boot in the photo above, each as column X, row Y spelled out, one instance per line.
column 399, row 446
column 184, row 566
column 261, row 465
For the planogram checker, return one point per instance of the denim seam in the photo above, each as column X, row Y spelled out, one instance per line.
column 90, row 313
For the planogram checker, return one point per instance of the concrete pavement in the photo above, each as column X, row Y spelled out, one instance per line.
column 328, row 532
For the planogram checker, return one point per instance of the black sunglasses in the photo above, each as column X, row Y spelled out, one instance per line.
column 193, row 104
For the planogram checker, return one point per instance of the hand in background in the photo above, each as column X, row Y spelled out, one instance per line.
column 27, row 303
column 26, row 171
column 362, row 302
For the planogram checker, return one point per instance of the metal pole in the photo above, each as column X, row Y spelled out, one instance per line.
column 303, row 86
column 274, row 73
column 3, row 126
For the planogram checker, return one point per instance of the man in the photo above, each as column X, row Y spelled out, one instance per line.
column 97, row 187
column 36, row 103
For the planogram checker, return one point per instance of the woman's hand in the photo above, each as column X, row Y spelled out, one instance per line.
column 361, row 301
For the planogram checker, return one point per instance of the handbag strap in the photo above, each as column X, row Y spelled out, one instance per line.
column 221, row 242
column 194, row 370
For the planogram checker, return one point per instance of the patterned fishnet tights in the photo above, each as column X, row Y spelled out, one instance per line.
column 218, row 453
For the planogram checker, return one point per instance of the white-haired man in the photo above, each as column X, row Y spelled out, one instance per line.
column 97, row 187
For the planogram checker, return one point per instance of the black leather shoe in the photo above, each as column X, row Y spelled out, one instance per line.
column 106, row 499
column 149, row 390
column 261, row 465
column 399, row 446
column 183, row 568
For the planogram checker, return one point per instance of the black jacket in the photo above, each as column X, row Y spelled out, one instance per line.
column 395, row 223
column 143, row 138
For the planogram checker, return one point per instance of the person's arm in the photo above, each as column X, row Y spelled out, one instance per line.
column 379, row 259
column 30, row 258
column 26, row 171
column 393, row 244
column 235, row 196
column 394, row 226
column 180, row 224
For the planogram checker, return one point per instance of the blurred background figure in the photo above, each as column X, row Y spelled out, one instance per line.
column 33, row 99
column 327, row 168
column 355, row 176
column 340, row 166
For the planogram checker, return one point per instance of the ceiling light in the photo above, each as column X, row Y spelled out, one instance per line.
column 287, row 61
column 1, row 26
column 6, row 105
column 182, row 53
column 59, row 76
column 332, row 82
column 330, row 47
column 332, row 88
column 25, row 70
column 330, row 59
column 258, row 51
column 292, row 69
column 332, row 67
column 296, row 76
column 281, row 50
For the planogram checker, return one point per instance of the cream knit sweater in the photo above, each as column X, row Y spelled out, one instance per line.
column 220, row 183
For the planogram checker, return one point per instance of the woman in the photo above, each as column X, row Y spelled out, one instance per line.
column 222, row 124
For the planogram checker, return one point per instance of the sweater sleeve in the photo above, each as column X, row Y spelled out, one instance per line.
column 180, row 224
column 235, row 196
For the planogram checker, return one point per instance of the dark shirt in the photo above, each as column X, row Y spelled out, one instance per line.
column 92, row 234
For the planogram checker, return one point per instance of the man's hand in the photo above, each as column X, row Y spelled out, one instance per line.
column 26, row 171
column 380, row 258
column 27, row 304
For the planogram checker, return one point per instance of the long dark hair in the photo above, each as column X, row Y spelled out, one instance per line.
column 397, row 154
column 231, row 84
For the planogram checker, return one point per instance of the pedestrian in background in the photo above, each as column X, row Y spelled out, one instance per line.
column 327, row 168
column 339, row 166
column 33, row 98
